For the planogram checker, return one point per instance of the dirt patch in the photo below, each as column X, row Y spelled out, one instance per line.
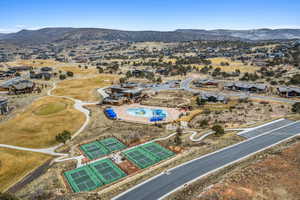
column 170, row 99
column 128, row 167
column 239, row 114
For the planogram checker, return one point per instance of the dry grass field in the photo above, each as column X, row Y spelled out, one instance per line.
column 233, row 65
column 85, row 88
column 41, row 122
column 152, row 45
column 14, row 165
column 208, row 106
column 34, row 63
column 78, row 71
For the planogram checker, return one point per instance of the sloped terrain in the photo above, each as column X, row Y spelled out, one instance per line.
column 276, row 177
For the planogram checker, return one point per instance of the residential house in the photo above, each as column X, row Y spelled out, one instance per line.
column 7, row 74
column 22, row 87
column 289, row 91
column 212, row 97
column 259, row 62
column 42, row 75
column 21, row 68
column 119, row 95
column 205, row 83
column 246, row 87
column 17, row 86
column 46, row 69
column 4, row 106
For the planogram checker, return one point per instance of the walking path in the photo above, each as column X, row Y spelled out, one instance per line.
column 194, row 133
column 78, row 105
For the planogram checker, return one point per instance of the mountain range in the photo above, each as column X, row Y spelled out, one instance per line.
column 47, row 35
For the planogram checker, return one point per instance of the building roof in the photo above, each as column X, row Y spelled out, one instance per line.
column 218, row 97
column 23, row 84
column 288, row 89
column 109, row 99
column 10, row 82
column 20, row 68
column 246, row 85
column 129, row 85
column 46, row 69
column 205, row 81
column 133, row 91
column 3, row 101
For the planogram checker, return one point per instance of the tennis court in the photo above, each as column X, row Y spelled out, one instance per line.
column 94, row 150
column 157, row 151
column 140, row 157
column 82, row 179
column 112, row 144
column 107, row 171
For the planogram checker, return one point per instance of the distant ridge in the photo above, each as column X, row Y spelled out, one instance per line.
column 254, row 34
column 62, row 34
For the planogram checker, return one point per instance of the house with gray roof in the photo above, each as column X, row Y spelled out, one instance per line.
column 288, row 91
column 205, row 83
column 213, row 97
column 125, row 93
column 246, row 87
column 20, row 86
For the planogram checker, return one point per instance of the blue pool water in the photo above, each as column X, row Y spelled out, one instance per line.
column 147, row 112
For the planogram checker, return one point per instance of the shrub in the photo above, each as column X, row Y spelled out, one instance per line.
column 200, row 101
column 8, row 196
column 62, row 77
column 296, row 107
column 203, row 123
column 100, row 70
column 218, row 129
column 63, row 137
column 177, row 140
column 69, row 73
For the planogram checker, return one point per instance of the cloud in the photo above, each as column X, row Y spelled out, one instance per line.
column 20, row 26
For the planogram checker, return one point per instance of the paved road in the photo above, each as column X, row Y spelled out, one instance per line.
column 162, row 185
column 264, row 128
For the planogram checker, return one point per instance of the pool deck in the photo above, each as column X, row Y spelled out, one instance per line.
column 173, row 114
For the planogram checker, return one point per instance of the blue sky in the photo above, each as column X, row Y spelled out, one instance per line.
column 161, row 15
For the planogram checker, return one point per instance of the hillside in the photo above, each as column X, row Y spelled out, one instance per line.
column 83, row 34
column 255, row 34
column 47, row 35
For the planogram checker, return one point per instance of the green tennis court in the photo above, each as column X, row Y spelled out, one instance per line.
column 112, row 144
column 140, row 157
column 82, row 179
column 94, row 150
column 107, row 171
column 157, row 151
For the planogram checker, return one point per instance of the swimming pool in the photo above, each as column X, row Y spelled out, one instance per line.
column 147, row 112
